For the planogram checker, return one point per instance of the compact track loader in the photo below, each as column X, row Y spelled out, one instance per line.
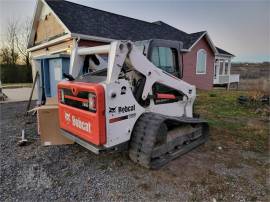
column 130, row 96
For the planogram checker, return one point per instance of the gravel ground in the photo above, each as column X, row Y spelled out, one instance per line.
column 67, row 173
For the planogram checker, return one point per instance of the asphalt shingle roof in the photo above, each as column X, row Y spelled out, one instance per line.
column 85, row 20
column 90, row 21
column 221, row 51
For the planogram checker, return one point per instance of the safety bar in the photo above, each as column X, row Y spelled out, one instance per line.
column 94, row 50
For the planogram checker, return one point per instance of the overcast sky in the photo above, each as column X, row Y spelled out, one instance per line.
column 240, row 27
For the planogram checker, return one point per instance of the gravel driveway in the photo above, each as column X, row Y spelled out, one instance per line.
column 71, row 172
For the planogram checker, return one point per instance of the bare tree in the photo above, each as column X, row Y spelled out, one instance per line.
column 12, row 29
column 22, row 36
column 9, row 54
column 6, row 56
column 14, row 46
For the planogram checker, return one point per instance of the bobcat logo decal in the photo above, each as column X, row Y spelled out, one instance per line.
column 112, row 109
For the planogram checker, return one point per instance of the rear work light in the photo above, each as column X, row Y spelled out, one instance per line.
column 92, row 101
column 61, row 96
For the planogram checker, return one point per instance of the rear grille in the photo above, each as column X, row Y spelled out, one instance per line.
column 82, row 94
column 79, row 101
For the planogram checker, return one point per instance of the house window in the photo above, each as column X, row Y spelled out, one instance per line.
column 165, row 59
column 201, row 62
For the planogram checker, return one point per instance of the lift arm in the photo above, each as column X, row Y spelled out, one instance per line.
column 127, row 52
column 121, row 52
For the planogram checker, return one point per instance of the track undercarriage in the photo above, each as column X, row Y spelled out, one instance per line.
column 158, row 139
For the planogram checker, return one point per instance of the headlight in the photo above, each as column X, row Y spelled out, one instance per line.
column 92, row 101
column 61, row 96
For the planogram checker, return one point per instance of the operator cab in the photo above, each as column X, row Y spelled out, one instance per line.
column 164, row 54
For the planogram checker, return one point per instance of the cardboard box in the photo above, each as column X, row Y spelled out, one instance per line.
column 52, row 101
column 49, row 129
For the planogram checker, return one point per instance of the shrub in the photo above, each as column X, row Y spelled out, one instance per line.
column 212, row 95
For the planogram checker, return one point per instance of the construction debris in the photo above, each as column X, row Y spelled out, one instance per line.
column 3, row 96
column 23, row 141
column 254, row 100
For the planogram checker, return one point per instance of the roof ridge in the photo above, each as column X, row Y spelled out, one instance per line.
column 110, row 12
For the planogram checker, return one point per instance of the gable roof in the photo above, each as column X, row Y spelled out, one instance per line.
column 83, row 20
column 223, row 52
column 197, row 36
column 193, row 37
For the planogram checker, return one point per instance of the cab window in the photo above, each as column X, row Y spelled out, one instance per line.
column 165, row 59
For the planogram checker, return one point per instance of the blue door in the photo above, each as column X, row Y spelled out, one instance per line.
column 55, row 74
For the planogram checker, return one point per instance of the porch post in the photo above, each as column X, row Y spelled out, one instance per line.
column 218, row 68
column 229, row 72
column 223, row 66
column 229, row 66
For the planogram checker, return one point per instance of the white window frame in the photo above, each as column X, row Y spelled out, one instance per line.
column 198, row 52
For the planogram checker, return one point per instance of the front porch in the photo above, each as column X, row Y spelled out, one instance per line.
column 222, row 72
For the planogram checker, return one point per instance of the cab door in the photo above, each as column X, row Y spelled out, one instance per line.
column 165, row 54
column 165, row 58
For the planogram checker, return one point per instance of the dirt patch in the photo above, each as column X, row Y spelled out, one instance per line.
column 217, row 170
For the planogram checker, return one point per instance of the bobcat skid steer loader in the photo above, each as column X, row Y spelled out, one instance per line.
column 129, row 96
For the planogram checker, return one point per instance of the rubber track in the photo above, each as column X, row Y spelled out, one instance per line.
column 144, row 136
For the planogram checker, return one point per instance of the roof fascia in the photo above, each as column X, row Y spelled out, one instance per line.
column 211, row 43
column 185, row 50
column 36, row 14
column 224, row 55
column 93, row 38
column 208, row 40
column 50, row 43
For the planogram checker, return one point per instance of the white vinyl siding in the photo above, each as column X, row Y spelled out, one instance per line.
column 201, row 62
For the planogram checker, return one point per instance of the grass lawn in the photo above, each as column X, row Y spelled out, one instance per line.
column 241, row 126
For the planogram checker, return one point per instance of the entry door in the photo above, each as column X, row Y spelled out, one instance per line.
column 55, row 74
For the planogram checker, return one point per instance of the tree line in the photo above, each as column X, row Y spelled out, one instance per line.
column 15, row 65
